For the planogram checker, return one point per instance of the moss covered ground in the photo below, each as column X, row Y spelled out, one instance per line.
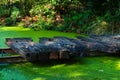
column 86, row 68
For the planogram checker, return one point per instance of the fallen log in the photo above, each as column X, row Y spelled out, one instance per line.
column 64, row 48
column 55, row 48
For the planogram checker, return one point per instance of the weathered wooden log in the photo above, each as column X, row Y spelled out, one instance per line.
column 111, row 39
column 42, row 52
column 94, row 45
column 63, row 47
column 33, row 51
column 13, row 40
column 55, row 48
column 97, row 44
column 42, row 40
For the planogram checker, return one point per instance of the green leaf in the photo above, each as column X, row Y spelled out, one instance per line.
column 86, row 16
column 80, row 22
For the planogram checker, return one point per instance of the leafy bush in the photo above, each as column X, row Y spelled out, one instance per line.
column 80, row 16
column 4, row 12
column 14, row 14
column 8, row 22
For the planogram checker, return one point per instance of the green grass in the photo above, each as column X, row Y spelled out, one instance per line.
column 86, row 68
column 89, row 68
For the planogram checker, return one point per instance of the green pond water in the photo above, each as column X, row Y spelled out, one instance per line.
column 86, row 68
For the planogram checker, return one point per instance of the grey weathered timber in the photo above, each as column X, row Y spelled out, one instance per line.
column 32, row 51
column 10, row 41
column 107, row 44
column 65, row 48
column 19, row 45
column 52, row 48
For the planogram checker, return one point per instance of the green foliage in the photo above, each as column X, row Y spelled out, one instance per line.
column 14, row 14
column 25, row 6
column 77, row 23
column 43, row 9
column 8, row 22
column 45, row 12
column 4, row 12
column 80, row 16
column 35, row 27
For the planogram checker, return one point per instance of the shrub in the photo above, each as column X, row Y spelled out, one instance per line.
column 8, row 21
column 14, row 14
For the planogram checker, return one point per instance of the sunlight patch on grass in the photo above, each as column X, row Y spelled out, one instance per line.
column 13, row 29
column 75, row 74
column 118, row 65
column 58, row 66
column 39, row 79
column 107, row 61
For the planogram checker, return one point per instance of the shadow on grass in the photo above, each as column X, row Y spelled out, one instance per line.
column 49, row 63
